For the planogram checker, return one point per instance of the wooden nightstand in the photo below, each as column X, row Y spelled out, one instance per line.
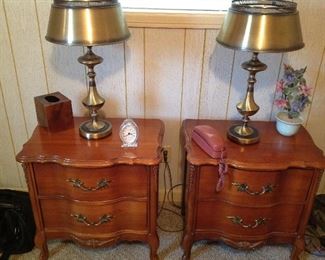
column 94, row 192
column 268, row 193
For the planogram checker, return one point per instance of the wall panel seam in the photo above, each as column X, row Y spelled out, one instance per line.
column 316, row 84
column 182, row 90
column 202, row 68
column 278, row 77
column 42, row 49
column 230, row 83
column 10, row 133
column 181, row 109
column 144, row 73
column 15, row 67
column 125, row 83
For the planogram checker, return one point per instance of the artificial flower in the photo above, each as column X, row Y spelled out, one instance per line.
column 293, row 94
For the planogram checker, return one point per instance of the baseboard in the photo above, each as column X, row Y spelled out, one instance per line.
column 11, row 188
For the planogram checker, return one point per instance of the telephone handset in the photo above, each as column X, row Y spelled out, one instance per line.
column 211, row 142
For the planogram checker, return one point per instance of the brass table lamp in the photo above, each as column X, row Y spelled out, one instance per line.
column 88, row 23
column 258, row 26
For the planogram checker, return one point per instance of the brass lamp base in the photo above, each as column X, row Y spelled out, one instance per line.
column 243, row 134
column 95, row 128
column 100, row 129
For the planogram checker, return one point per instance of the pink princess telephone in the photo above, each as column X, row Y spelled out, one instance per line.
column 211, row 142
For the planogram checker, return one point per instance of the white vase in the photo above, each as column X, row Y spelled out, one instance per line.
column 287, row 126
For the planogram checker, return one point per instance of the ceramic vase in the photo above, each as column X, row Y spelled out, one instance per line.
column 287, row 126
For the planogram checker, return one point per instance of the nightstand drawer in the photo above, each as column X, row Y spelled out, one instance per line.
column 247, row 221
column 78, row 217
column 93, row 183
column 253, row 188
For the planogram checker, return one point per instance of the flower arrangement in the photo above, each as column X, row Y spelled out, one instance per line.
column 292, row 92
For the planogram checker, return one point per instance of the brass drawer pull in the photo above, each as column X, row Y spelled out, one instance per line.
column 239, row 221
column 82, row 219
column 101, row 184
column 243, row 187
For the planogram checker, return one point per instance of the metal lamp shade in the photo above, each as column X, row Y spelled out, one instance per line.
column 259, row 28
column 87, row 23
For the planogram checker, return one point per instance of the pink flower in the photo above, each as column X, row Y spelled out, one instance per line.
column 279, row 86
column 305, row 90
column 281, row 103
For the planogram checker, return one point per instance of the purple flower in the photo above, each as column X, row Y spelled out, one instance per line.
column 289, row 77
column 289, row 74
column 296, row 106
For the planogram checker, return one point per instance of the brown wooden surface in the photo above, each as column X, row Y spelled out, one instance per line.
column 69, row 149
column 54, row 162
column 291, row 165
column 274, row 151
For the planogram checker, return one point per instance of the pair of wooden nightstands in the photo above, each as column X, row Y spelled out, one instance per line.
column 97, row 194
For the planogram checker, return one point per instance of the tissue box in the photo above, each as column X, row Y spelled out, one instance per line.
column 54, row 111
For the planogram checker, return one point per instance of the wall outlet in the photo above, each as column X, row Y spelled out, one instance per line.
column 168, row 148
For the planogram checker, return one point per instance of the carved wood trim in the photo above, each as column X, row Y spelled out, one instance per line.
column 191, row 177
column 32, row 188
column 88, row 164
column 317, row 175
column 101, row 202
column 152, row 237
column 243, row 244
column 187, row 240
column 94, row 242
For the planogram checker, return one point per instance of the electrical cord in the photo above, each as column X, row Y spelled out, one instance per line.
column 172, row 187
column 169, row 196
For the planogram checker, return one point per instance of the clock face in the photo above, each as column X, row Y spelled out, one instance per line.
column 129, row 133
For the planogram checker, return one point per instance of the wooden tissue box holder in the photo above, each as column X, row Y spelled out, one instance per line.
column 54, row 111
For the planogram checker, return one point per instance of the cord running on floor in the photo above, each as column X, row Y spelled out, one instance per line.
column 169, row 196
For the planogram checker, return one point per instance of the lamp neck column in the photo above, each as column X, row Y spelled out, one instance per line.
column 243, row 133
column 93, row 101
column 248, row 107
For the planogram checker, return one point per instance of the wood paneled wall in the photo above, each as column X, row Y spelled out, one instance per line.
column 171, row 74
